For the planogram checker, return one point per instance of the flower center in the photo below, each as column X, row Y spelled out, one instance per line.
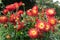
column 41, row 25
column 47, row 27
column 53, row 21
column 34, row 11
column 33, row 32
column 50, row 11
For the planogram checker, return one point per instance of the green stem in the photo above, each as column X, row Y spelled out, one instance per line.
column 17, row 9
column 15, row 34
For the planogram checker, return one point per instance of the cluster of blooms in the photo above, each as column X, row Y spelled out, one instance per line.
column 14, row 18
column 12, row 7
column 44, row 26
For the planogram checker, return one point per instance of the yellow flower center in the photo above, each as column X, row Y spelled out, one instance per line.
column 34, row 11
column 47, row 27
column 52, row 21
column 41, row 25
column 33, row 32
column 51, row 11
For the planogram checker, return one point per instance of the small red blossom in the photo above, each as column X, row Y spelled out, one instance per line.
column 52, row 21
column 35, row 7
column 34, row 12
column 37, row 20
column 47, row 27
column 16, row 5
column 12, row 17
column 3, row 19
column 20, row 3
column 13, row 6
column 19, row 12
column 40, row 25
column 29, row 12
column 5, row 11
column 20, row 25
column 33, row 33
column 10, row 7
column 17, row 18
column 50, row 12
